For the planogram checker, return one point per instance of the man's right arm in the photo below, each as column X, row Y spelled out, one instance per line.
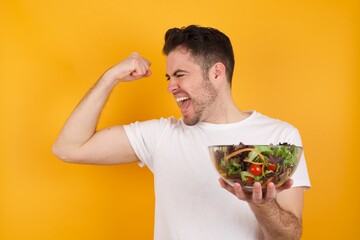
column 79, row 142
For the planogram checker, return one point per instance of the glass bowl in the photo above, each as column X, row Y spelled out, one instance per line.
column 246, row 164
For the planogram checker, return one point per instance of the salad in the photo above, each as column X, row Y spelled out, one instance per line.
column 247, row 164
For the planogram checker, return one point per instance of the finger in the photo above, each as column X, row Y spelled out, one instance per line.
column 141, row 71
column 226, row 186
column 222, row 183
column 239, row 192
column 257, row 193
column 148, row 73
column 287, row 184
column 270, row 192
column 141, row 65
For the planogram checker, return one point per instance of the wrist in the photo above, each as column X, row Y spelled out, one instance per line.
column 108, row 80
column 267, row 208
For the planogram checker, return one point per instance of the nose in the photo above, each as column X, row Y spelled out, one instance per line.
column 173, row 86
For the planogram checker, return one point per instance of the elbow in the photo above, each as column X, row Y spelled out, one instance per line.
column 294, row 231
column 290, row 230
column 71, row 154
column 297, row 232
column 62, row 154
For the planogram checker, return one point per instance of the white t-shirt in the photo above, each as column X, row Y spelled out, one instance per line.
column 190, row 204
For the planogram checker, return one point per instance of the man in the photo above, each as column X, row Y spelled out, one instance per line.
column 190, row 204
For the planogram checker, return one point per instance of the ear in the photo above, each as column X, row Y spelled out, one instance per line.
column 218, row 73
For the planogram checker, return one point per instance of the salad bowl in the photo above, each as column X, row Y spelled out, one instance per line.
column 247, row 164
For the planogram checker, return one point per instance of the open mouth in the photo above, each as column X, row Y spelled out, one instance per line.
column 184, row 104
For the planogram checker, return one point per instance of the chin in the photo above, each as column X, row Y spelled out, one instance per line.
column 191, row 121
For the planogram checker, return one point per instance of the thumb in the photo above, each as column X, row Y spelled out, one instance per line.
column 136, row 73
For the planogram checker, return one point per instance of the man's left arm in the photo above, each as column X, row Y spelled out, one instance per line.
column 278, row 211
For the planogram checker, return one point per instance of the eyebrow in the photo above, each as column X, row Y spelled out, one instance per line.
column 176, row 72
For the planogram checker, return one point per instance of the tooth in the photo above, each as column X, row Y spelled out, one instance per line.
column 180, row 99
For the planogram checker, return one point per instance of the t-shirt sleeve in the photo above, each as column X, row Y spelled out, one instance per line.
column 301, row 175
column 144, row 137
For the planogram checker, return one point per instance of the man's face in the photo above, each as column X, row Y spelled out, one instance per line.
column 193, row 93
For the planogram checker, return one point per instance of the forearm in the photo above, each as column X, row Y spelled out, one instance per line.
column 275, row 222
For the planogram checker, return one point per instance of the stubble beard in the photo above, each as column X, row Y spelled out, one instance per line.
column 202, row 102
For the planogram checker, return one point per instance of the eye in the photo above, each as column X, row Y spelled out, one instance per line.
column 179, row 75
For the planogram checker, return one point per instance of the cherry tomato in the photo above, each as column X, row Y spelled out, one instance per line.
column 255, row 169
column 249, row 180
column 271, row 167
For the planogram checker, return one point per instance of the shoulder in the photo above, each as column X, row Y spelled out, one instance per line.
column 264, row 120
column 275, row 129
column 154, row 124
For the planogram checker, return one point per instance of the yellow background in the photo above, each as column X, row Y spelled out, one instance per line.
column 295, row 60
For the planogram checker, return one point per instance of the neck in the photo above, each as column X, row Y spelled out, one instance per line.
column 224, row 110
